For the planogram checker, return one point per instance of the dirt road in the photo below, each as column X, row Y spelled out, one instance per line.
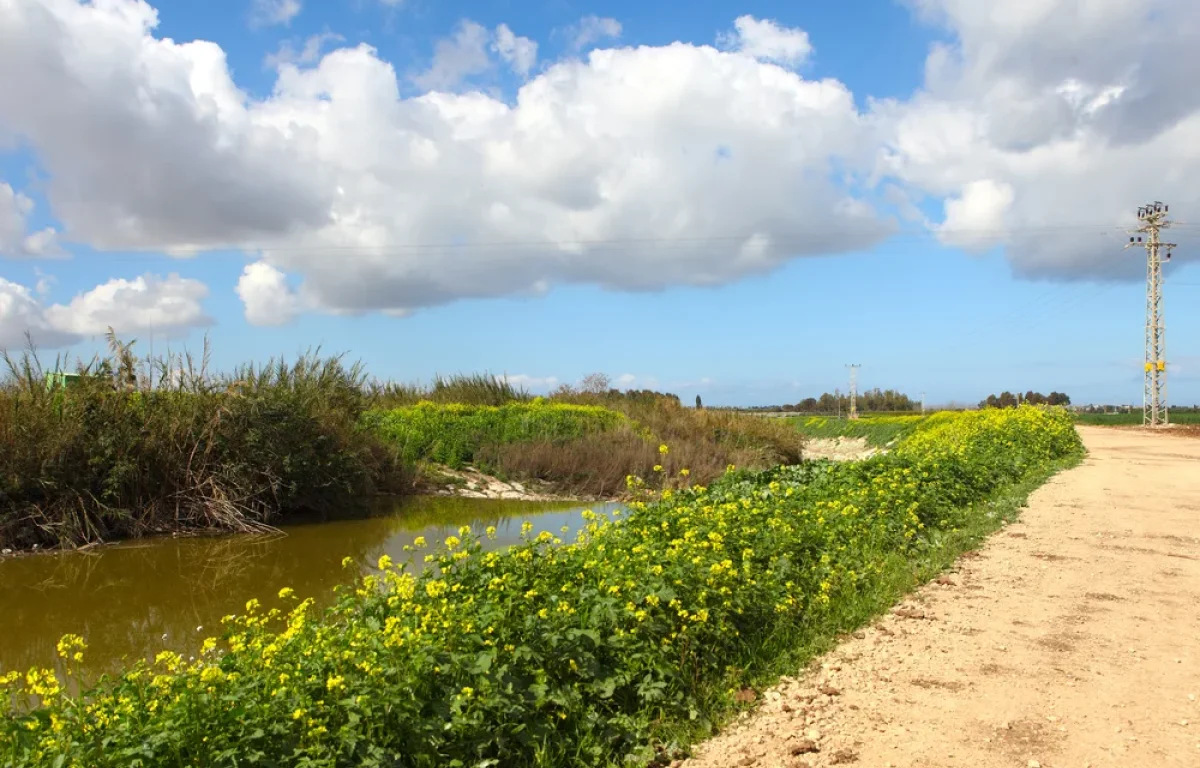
column 1072, row 639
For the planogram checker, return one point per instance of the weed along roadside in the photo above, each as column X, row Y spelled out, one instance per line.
column 628, row 643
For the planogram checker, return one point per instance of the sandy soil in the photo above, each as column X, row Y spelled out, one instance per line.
column 839, row 448
column 1072, row 638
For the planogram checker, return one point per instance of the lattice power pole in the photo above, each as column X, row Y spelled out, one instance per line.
column 1153, row 218
column 854, row 389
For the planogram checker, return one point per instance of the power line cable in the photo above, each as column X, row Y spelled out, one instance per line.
column 793, row 238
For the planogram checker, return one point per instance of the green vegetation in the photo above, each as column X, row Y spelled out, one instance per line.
column 878, row 431
column 1009, row 400
column 868, row 401
column 703, row 441
column 465, row 389
column 625, row 645
column 126, row 447
column 111, row 457
column 453, row 434
column 1134, row 418
column 586, row 443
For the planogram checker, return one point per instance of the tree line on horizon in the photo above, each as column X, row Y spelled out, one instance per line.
column 1009, row 400
column 868, row 400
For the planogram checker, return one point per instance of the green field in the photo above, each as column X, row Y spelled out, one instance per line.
column 1133, row 418
column 453, row 434
column 878, row 431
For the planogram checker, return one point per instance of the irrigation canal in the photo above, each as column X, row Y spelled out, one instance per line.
column 135, row 599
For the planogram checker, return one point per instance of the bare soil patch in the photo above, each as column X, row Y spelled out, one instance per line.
column 839, row 448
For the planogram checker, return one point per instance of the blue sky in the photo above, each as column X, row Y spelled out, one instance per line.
column 813, row 185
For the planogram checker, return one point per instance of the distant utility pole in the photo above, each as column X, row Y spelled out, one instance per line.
column 922, row 402
column 1153, row 218
column 837, row 395
column 854, row 389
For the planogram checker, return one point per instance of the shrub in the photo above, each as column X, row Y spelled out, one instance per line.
column 761, row 442
column 588, row 443
column 467, row 389
column 94, row 461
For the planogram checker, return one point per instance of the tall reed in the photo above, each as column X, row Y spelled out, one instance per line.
column 141, row 445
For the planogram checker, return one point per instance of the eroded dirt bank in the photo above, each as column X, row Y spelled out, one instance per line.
column 1072, row 638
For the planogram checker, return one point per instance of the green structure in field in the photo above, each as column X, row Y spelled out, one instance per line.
column 60, row 379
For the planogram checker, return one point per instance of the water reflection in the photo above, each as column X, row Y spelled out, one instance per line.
column 126, row 599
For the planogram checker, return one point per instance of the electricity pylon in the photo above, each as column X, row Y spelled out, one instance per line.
column 1153, row 218
column 854, row 389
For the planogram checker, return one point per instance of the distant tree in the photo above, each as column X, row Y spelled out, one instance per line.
column 699, row 403
column 1058, row 398
column 595, row 384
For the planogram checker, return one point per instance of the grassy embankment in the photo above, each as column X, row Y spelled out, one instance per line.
column 878, row 431
column 245, row 450
column 628, row 644
column 588, row 444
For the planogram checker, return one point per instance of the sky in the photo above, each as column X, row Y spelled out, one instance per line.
column 735, row 200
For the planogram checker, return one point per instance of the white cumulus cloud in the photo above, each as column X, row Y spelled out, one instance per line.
column 519, row 52
column 592, row 29
column 20, row 314
column 458, row 57
column 975, row 219
column 715, row 167
column 532, row 383
column 270, row 12
column 310, row 51
column 266, row 296
column 766, row 39
column 1075, row 112
column 15, row 237
column 146, row 304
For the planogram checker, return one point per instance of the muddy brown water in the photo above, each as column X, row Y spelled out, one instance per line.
column 133, row 600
